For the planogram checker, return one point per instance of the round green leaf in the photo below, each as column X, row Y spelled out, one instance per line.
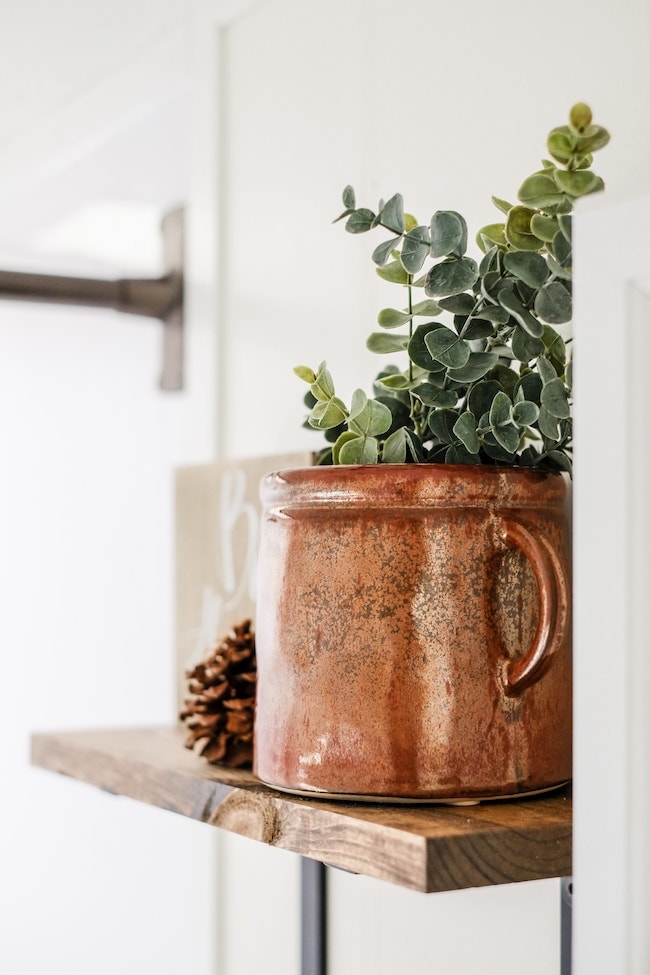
column 544, row 227
column 360, row 221
column 381, row 253
column 509, row 300
column 441, row 424
column 360, row 450
column 490, row 235
column 465, row 430
column 393, row 272
column 448, row 234
column 500, row 410
column 305, row 373
column 392, row 318
column 555, row 399
column 553, row 303
column 418, row 350
column 349, row 199
column 447, row 347
column 578, row 183
column 415, row 249
column 525, row 413
column 431, row 395
column 524, row 346
column 478, row 365
column 528, row 267
column 385, row 344
column 451, row 276
column 540, row 191
column 392, row 214
column 518, row 229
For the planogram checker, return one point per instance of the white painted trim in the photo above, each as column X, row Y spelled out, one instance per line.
column 612, row 486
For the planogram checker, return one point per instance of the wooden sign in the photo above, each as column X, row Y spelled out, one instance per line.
column 217, row 528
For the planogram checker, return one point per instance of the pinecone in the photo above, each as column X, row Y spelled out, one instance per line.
column 223, row 706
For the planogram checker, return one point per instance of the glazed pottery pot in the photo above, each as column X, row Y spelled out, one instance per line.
column 413, row 632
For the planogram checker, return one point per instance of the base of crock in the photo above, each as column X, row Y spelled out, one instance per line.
column 407, row 800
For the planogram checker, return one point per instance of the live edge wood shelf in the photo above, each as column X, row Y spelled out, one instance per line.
column 426, row 848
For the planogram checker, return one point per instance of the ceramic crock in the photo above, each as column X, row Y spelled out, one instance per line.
column 413, row 632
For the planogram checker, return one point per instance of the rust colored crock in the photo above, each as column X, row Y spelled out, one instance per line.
column 413, row 632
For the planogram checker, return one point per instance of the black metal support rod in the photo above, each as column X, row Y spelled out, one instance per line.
column 151, row 297
column 313, row 917
column 566, row 919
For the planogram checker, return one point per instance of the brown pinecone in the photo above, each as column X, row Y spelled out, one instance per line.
column 220, row 713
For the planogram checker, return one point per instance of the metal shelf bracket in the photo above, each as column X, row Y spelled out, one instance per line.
column 160, row 298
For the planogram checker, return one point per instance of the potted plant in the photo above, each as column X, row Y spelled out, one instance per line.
column 413, row 626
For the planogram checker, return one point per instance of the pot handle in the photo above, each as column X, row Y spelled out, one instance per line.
column 553, row 587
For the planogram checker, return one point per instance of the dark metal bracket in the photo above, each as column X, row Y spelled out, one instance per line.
column 313, row 951
column 566, row 917
column 160, row 298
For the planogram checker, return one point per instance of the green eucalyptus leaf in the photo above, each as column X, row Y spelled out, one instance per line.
column 553, row 303
column 481, row 396
column 446, row 347
column 478, row 366
column 578, row 183
column 528, row 266
column 360, row 221
column 323, row 385
column 451, row 276
column 509, row 300
column 305, row 373
column 448, row 234
column 530, row 386
column 561, row 460
column 555, row 399
column 508, row 437
column 506, row 377
column 457, row 453
column 397, row 381
column 561, row 249
column 343, row 438
column 460, row 304
column 500, row 410
column 361, row 450
column 546, row 370
column 383, row 343
column 358, row 403
column 415, row 249
column 392, row 318
column 502, row 205
column 427, row 307
column 518, row 230
column 548, row 424
column 395, row 447
column 524, row 346
column 525, row 413
column 465, row 430
column 477, row 328
column 441, row 424
column 381, row 253
column 417, row 347
column 490, row 235
column 561, row 144
column 495, row 314
column 431, row 395
column 564, row 223
column 555, row 348
column 328, row 414
column 393, row 272
column 392, row 214
column 374, row 419
column 349, row 199
column 544, row 227
column 556, row 269
column 568, row 376
column 540, row 191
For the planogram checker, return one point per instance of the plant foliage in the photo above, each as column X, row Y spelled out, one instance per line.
column 487, row 376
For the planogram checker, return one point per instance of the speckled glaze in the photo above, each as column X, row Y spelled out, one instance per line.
column 412, row 632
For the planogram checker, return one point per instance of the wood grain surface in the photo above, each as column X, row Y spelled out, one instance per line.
column 424, row 847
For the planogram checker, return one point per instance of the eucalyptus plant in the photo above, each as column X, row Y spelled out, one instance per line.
column 488, row 375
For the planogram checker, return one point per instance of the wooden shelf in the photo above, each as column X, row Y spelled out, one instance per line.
column 426, row 848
